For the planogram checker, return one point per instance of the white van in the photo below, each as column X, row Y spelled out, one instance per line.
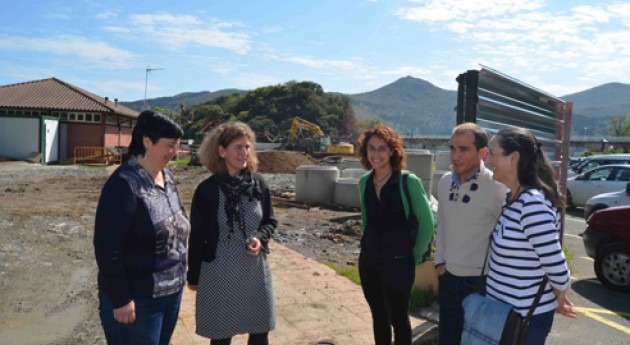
column 606, row 200
column 594, row 161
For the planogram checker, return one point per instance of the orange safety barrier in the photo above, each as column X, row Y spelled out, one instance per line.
column 91, row 154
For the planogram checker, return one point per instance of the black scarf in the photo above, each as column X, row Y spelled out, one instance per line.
column 233, row 187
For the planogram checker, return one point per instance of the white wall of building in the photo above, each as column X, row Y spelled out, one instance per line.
column 19, row 137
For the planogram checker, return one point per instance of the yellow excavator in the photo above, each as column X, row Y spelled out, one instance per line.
column 309, row 137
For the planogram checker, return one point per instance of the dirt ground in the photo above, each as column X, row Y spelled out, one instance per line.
column 47, row 267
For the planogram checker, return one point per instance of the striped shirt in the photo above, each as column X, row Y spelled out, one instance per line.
column 525, row 247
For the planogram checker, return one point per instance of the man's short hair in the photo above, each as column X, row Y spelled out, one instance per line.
column 480, row 134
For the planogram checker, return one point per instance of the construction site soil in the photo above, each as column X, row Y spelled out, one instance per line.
column 48, row 292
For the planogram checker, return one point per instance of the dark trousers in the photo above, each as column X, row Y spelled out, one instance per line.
column 539, row 328
column 254, row 339
column 453, row 290
column 154, row 325
column 387, row 287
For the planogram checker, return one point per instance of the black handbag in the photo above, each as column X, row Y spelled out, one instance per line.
column 516, row 325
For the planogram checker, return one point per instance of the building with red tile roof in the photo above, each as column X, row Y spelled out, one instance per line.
column 52, row 117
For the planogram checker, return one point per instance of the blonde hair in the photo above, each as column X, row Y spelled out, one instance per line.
column 223, row 136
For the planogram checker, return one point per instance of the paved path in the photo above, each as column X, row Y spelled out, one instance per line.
column 313, row 303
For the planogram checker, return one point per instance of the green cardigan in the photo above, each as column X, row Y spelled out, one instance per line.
column 422, row 210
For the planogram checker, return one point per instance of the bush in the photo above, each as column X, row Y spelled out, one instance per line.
column 421, row 298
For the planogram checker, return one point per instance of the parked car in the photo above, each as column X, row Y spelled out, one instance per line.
column 607, row 240
column 608, row 178
column 606, row 200
column 592, row 162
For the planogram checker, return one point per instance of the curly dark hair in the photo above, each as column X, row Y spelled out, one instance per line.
column 398, row 160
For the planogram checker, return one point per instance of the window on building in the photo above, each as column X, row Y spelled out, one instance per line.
column 71, row 117
column 97, row 118
column 80, row 117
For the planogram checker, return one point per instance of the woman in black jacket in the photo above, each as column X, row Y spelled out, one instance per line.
column 140, row 237
column 232, row 222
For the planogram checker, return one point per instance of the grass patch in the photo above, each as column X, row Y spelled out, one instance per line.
column 569, row 257
column 421, row 298
column 94, row 166
column 182, row 161
column 350, row 272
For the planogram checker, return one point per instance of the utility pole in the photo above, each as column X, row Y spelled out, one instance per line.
column 145, row 105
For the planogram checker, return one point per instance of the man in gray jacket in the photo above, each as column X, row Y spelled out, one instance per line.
column 470, row 203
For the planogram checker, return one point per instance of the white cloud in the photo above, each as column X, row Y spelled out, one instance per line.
column 106, row 15
column 176, row 31
column 117, row 29
column 90, row 53
column 323, row 63
column 432, row 11
column 530, row 38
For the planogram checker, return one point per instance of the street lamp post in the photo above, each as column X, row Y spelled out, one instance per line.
column 145, row 105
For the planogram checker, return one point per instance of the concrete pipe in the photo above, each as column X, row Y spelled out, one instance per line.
column 353, row 173
column 315, row 184
column 437, row 176
column 443, row 160
column 347, row 192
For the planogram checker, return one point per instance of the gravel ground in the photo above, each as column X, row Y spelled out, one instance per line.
column 47, row 266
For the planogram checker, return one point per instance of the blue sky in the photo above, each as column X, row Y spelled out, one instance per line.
column 348, row 46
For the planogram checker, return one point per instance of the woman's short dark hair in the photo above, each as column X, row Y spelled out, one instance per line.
column 154, row 125
column 534, row 168
column 393, row 140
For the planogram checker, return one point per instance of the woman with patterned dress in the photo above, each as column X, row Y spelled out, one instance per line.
column 232, row 222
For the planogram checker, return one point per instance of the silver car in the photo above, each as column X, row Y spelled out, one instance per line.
column 604, row 179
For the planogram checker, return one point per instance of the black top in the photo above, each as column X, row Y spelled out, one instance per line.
column 140, row 235
column 204, row 235
column 386, row 234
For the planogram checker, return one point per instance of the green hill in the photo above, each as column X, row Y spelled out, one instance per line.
column 188, row 99
column 412, row 105
column 409, row 104
column 594, row 107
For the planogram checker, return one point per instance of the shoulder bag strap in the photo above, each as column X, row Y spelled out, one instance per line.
column 407, row 195
column 541, row 289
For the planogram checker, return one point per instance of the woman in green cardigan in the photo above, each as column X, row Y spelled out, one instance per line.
column 391, row 245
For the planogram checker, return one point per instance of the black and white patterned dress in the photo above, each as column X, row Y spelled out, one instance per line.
column 235, row 294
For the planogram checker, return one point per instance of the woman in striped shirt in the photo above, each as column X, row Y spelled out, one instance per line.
column 525, row 241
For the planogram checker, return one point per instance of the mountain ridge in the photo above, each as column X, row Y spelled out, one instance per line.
column 416, row 106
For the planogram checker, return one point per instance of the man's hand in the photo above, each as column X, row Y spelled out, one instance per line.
column 126, row 313
column 440, row 269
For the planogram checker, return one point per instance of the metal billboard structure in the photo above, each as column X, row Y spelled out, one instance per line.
column 495, row 101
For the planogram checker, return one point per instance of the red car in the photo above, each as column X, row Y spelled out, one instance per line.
column 607, row 240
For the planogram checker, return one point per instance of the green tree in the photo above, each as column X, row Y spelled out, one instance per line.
column 619, row 126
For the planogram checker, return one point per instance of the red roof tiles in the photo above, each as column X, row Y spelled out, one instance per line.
column 54, row 94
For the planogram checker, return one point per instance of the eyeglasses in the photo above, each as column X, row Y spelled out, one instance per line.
column 454, row 193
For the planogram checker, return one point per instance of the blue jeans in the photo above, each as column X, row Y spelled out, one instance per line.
column 539, row 328
column 452, row 291
column 154, row 325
